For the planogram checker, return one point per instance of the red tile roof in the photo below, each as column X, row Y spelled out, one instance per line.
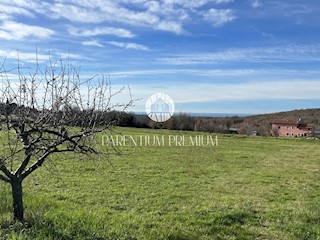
column 285, row 121
column 293, row 122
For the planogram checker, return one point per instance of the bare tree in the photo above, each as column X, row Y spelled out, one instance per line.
column 37, row 110
column 184, row 121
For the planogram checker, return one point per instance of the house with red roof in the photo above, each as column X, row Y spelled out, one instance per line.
column 292, row 128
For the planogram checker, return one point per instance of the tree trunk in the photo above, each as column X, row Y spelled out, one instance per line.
column 17, row 199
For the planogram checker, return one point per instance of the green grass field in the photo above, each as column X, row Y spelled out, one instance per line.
column 246, row 188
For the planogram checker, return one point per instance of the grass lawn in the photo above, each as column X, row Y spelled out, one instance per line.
column 245, row 188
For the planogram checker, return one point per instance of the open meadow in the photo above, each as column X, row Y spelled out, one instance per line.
column 244, row 188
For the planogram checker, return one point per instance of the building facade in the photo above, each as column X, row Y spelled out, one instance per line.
column 291, row 128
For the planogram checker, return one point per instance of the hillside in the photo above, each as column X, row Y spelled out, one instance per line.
column 260, row 123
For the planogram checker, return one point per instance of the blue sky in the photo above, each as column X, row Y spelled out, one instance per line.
column 210, row 56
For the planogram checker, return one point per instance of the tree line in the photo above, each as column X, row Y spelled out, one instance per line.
column 257, row 124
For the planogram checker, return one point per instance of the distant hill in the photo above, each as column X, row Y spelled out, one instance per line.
column 260, row 123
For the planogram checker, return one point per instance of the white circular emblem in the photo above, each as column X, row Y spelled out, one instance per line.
column 159, row 107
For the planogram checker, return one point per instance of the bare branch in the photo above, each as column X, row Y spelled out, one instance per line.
column 36, row 165
column 23, row 165
column 3, row 178
column 6, row 171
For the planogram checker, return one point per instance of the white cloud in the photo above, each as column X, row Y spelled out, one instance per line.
column 92, row 43
column 225, row 73
column 111, row 12
column 98, row 12
column 9, row 10
column 170, row 26
column 11, row 30
column 219, row 17
column 4, row 16
column 290, row 53
column 283, row 89
column 165, row 15
column 194, row 4
column 249, row 91
column 23, row 56
column 66, row 55
column 75, row 13
column 153, row 6
column 256, row 3
column 128, row 45
column 222, row 1
column 20, row 3
column 33, row 57
column 168, row 15
column 119, row 32
column 186, row 3
column 26, row 8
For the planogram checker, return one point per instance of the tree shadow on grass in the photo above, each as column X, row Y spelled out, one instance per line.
column 42, row 229
column 233, row 225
